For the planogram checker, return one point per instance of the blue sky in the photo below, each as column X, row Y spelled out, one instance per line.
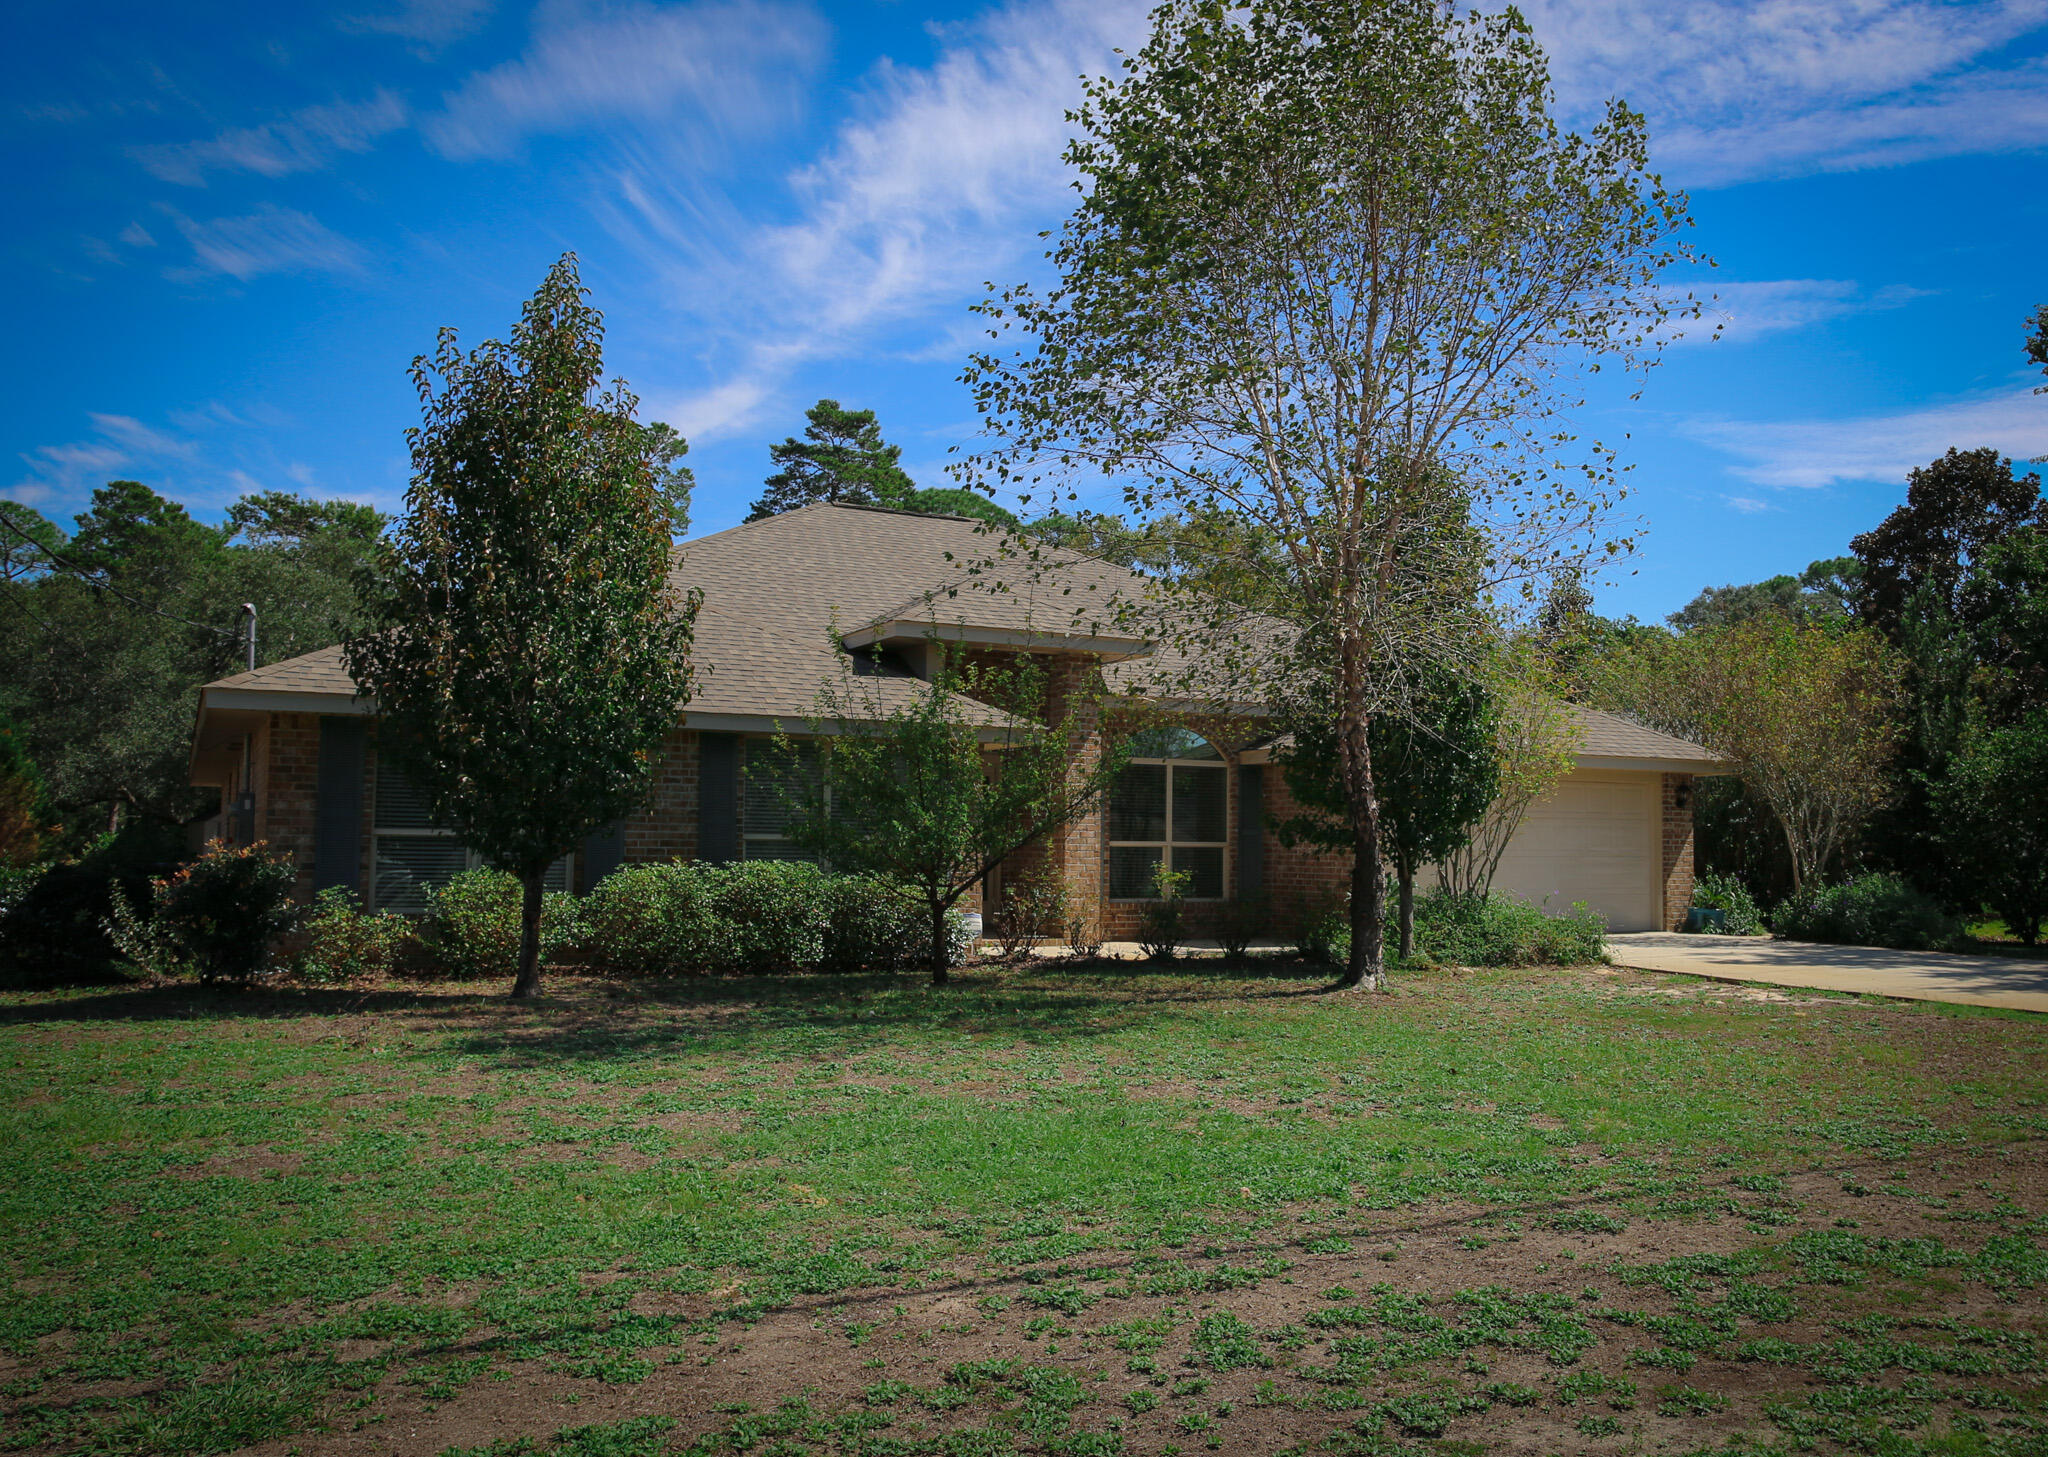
column 236, row 224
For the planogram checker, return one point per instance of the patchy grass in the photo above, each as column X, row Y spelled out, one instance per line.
column 1037, row 1211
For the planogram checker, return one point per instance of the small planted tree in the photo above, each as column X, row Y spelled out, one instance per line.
column 922, row 782
column 1436, row 773
column 527, row 650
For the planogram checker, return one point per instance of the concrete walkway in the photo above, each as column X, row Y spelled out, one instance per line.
column 1926, row 976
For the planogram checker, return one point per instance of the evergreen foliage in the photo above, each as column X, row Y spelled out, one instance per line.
column 526, row 648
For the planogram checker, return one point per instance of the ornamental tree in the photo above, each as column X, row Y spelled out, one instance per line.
column 1335, row 269
column 1436, row 773
column 918, row 781
column 527, row 649
column 1809, row 714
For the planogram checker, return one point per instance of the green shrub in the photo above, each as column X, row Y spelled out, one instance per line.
column 1323, row 931
column 1239, row 922
column 471, row 928
column 1162, row 926
column 1459, row 930
column 650, row 920
column 1499, row 930
column 220, row 915
column 1726, row 894
column 769, row 915
column 345, row 943
column 1872, row 910
column 685, row 917
column 877, row 924
column 58, row 919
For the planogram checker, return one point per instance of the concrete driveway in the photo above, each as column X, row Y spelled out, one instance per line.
column 1927, row 976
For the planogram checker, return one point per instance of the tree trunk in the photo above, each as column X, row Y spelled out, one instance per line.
column 940, row 976
column 1407, row 873
column 527, row 984
column 1367, row 965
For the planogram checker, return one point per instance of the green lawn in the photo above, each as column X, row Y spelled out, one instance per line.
column 1047, row 1211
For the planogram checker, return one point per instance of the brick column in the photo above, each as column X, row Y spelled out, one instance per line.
column 1678, row 849
column 665, row 828
column 1074, row 851
column 288, row 789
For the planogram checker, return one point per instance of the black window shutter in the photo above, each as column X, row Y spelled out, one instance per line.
column 1251, row 829
column 338, row 804
column 718, row 797
column 603, row 849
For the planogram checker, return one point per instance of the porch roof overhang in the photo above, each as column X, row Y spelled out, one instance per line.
column 904, row 631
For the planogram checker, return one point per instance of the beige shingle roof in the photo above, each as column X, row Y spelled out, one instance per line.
column 1609, row 735
column 774, row 590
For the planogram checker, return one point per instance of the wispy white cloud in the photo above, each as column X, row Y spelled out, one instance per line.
column 1809, row 453
column 722, row 66
column 1742, row 311
column 936, row 183
column 1760, row 88
column 305, row 141
column 117, row 443
column 270, row 240
column 429, row 24
column 135, row 235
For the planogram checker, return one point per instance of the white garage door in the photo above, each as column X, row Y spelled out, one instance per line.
column 1595, row 839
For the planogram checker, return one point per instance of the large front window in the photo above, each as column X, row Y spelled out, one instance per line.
column 411, row 855
column 780, row 780
column 1170, row 807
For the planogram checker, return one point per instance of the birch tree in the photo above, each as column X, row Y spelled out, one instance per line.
column 1337, row 270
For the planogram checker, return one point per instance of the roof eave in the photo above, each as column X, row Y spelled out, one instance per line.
column 904, row 629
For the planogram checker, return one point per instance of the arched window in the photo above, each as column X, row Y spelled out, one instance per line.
column 1171, row 807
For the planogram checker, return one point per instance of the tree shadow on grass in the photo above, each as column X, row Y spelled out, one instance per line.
column 582, row 1018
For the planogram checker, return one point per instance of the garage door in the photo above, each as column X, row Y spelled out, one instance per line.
column 1595, row 839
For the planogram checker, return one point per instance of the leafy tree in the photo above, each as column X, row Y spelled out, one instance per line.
column 919, row 782
column 1333, row 269
column 1809, row 714
column 2037, row 343
column 1437, row 777
column 2004, row 604
column 1209, row 551
column 24, row 809
column 525, row 645
column 107, row 632
column 1824, row 592
column 1955, row 509
column 1993, row 810
column 1535, row 741
column 842, row 457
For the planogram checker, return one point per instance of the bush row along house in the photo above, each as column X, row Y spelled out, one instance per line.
column 293, row 749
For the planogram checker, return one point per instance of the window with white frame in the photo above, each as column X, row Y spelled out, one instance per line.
column 1169, row 807
column 779, row 780
column 411, row 855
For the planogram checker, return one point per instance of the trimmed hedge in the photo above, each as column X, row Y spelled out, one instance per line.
column 471, row 928
column 685, row 917
column 1872, row 910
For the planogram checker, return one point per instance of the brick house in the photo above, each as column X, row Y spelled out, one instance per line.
column 293, row 750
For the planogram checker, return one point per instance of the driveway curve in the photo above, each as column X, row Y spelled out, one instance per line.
column 1927, row 976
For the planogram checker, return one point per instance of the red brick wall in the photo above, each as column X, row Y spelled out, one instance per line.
column 666, row 827
column 287, row 788
column 1678, row 849
column 1299, row 878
